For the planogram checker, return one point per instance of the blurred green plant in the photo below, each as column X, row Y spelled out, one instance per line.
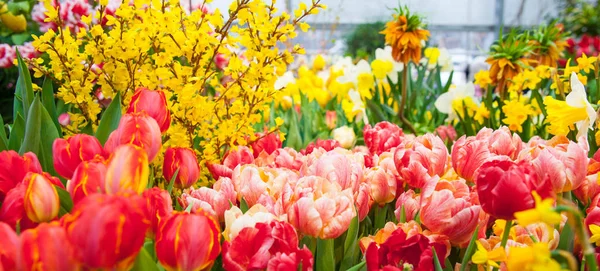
column 365, row 39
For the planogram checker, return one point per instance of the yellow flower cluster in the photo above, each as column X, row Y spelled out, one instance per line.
column 160, row 45
column 516, row 111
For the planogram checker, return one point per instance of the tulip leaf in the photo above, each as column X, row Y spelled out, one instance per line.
column 48, row 129
column 402, row 214
column 566, row 238
column 243, row 206
column 3, row 138
column 144, row 262
column 172, row 181
column 110, row 119
column 357, row 267
column 33, row 128
column 436, row 261
column 48, row 102
column 17, row 132
column 350, row 244
column 325, row 257
column 188, row 209
column 470, row 250
column 24, row 82
column 66, row 202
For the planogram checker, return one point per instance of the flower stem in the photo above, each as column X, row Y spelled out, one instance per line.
column 404, row 97
column 505, row 235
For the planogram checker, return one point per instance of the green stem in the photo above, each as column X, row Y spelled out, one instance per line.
column 404, row 97
column 505, row 235
column 582, row 234
column 380, row 216
column 325, row 254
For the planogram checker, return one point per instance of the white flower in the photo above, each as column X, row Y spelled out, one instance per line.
column 286, row 79
column 444, row 102
column 385, row 54
column 352, row 72
column 578, row 98
column 345, row 136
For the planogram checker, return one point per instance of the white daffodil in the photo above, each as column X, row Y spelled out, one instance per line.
column 286, row 79
column 361, row 76
column 578, row 98
column 445, row 101
column 384, row 65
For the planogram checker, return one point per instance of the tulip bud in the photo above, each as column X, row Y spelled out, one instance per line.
column 89, row 178
column 8, row 249
column 46, row 246
column 188, row 241
column 185, row 160
column 69, row 153
column 127, row 170
column 331, row 119
column 13, row 169
column 41, row 200
column 64, row 119
column 266, row 142
column 159, row 206
column 154, row 103
column 345, row 136
column 107, row 230
column 221, row 61
column 138, row 129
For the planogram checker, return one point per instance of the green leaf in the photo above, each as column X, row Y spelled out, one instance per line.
column 17, row 133
column 48, row 102
column 25, row 84
column 402, row 214
column 357, row 267
column 3, row 138
column 293, row 138
column 325, row 257
column 33, row 129
column 243, row 206
column 189, row 208
column 110, row 119
column 436, row 261
column 18, row 100
column 18, row 8
column 144, row 262
column 566, row 238
column 172, row 182
column 66, row 202
column 470, row 250
column 50, row 134
column 20, row 38
column 350, row 245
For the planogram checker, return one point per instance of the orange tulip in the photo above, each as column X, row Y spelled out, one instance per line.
column 154, row 103
column 188, row 242
column 138, row 129
column 185, row 160
column 107, row 230
column 46, row 248
column 41, row 200
column 127, row 170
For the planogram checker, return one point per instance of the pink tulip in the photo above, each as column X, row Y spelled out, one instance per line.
column 445, row 214
column 326, row 145
column 411, row 202
column 323, row 209
column 363, row 200
column 249, row 183
column 382, row 185
column 221, row 61
column 446, row 132
column 215, row 200
column 468, row 154
column 338, row 168
column 422, row 158
column 64, row 119
column 382, row 137
column 502, row 141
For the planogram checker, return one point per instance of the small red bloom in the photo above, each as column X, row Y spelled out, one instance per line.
column 69, row 153
column 89, row 178
column 266, row 142
column 185, row 160
column 241, row 156
column 327, row 145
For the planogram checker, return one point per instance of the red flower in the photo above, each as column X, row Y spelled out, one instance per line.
column 188, row 241
column 8, row 249
column 185, row 160
column 13, row 210
column 89, row 178
column 398, row 250
column 504, row 187
column 327, row 145
column 45, row 246
column 266, row 142
column 13, row 169
column 107, row 230
column 241, row 156
column 138, row 129
column 154, row 103
column 159, row 207
column 69, row 153
column 273, row 246
column 41, row 200
column 382, row 137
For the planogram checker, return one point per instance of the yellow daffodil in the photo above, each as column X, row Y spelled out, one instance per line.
column 490, row 258
column 318, row 63
column 586, row 63
column 482, row 79
column 516, row 113
column 448, row 102
column 595, row 230
column 542, row 212
column 499, row 226
column 384, row 65
column 530, row 258
column 574, row 110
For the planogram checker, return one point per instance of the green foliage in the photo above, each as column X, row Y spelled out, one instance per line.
column 365, row 39
column 581, row 17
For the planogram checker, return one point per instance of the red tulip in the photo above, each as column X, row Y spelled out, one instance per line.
column 326, row 145
column 221, row 61
column 107, row 230
column 127, row 170
column 398, row 249
column 138, row 129
column 46, row 248
column 159, row 207
column 8, row 249
column 382, row 137
column 12, row 211
column 241, row 156
column 13, row 169
column 41, row 200
column 154, row 103
column 188, row 241
column 185, row 160
column 89, row 178
column 69, row 153
column 267, row 143
column 504, row 187
column 270, row 246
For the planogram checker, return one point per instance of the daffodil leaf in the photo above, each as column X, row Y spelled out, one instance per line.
column 350, row 245
column 566, row 238
column 470, row 250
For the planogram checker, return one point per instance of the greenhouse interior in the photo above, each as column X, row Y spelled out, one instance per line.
column 327, row 135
